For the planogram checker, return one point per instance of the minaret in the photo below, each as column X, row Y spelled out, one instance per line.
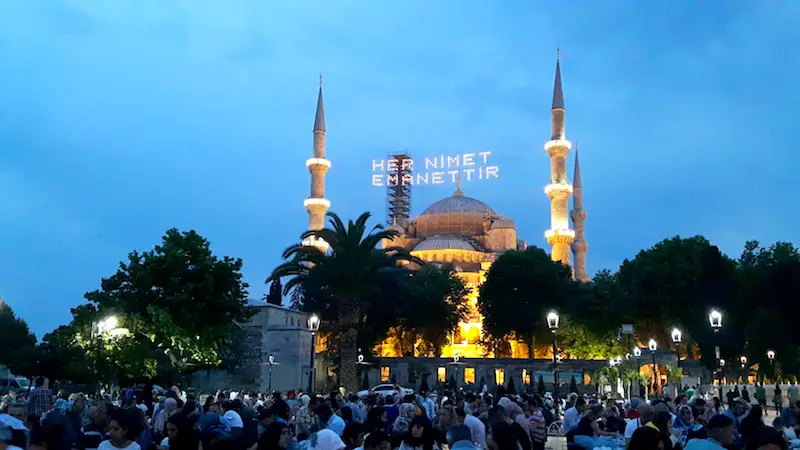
column 578, row 214
column 316, row 204
column 559, row 236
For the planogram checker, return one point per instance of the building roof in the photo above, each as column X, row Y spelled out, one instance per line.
column 459, row 203
column 441, row 242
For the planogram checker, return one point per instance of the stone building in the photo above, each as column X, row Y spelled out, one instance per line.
column 274, row 330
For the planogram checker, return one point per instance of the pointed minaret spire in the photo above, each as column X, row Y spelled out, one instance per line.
column 319, row 120
column 559, row 236
column 316, row 204
column 578, row 215
column 558, row 92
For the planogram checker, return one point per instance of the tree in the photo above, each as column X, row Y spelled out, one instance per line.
column 365, row 381
column 512, row 388
column 675, row 283
column 423, row 387
column 520, row 287
column 573, row 385
column 177, row 299
column 433, row 302
column 275, row 295
column 540, row 388
column 18, row 348
column 339, row 282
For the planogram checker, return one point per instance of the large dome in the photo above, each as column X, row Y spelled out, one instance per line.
column 458, row 203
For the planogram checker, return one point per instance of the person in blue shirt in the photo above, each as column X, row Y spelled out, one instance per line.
column 721, row 434
column 329, row 420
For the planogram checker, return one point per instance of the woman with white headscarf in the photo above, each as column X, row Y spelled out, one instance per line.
column 170, row 405
column 324, row 439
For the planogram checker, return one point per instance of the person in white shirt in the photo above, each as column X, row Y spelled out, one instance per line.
column 646, row 414
column 573, row 415
column 119, row 435
column 476, row 427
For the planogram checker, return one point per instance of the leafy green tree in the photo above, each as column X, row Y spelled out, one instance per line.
column 275, row 295
column 674, row 284
column 434, row 302
column 578, row 341
column 178, row 299
column 18, row 348
column 540, row 388
column 520, row 287
column 339, row 283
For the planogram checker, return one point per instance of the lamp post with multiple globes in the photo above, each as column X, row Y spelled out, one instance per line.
column 552, row 323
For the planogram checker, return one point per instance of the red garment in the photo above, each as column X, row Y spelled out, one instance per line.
column 633, row 414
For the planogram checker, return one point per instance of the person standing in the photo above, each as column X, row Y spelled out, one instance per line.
column 41, row 399
column 777, row 398
column 761, row 395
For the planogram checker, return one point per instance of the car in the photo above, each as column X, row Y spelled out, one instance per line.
column 385, row 390
column 12, row 384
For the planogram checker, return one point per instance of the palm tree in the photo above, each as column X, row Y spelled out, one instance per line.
column 346, row 275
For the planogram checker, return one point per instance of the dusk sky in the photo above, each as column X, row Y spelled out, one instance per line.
column 121, row 119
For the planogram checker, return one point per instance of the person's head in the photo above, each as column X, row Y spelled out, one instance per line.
column 377, row 414
column 324, row 412
column 458, row 433
column 461, row 414
column 720, row 428
column 766, row 438
column 611, row 411
column 594, row 412
column 276, row 436
column 377, row 440
column 740, row 407
column 119, row 429
column 178, row 425
column 646, row 438
column 686, row 415
column 646, row 412
column 353, row 435
column 755, row 413
column 580, row 404
column 499, row 436
column 419, row 427
column 663, row 420
column 447, row 416
column 39, row 382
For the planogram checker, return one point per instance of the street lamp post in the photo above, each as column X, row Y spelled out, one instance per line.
column 272, row 362
column 653, row 346
column 771, row 358
column 637, row 353
column 677, row 339
column 313, row 326
column 552, row 323
column 100, row 328
column 715, row 320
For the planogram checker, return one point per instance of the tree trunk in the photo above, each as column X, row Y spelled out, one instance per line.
column 348, row 350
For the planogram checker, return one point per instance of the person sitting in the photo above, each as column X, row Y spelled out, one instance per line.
column 721, row 435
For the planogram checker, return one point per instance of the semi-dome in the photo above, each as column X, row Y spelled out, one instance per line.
column 459, row 203
column 503, row 222
column 439, row 242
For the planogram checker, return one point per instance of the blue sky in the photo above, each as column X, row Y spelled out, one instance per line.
column 121, row 119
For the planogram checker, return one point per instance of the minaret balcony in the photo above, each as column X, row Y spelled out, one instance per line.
column 558, row 190
column 318, row 162
column 578, row 215
column 579, row 247
column 559, row 236
column 558, row 146
column 319, row 243
column 317, row 202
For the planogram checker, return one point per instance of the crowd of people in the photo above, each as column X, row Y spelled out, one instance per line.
column 168, row 419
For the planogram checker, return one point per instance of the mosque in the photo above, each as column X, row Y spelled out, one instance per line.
column 467, row 233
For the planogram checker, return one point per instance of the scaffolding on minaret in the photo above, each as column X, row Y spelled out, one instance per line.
column 398, row 189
